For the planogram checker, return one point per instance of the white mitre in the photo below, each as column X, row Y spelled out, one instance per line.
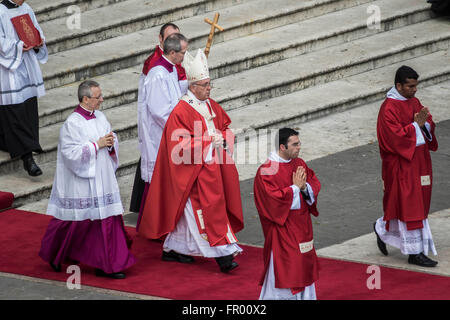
column 196, row 67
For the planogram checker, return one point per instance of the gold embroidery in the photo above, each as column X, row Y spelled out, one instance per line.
column 28, row 31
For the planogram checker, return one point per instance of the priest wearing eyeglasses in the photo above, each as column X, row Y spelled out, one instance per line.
column 85, row 202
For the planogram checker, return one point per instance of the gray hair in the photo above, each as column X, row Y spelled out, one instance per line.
column 173, row 42
column 84, row 89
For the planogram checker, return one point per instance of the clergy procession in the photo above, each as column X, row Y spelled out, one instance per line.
column 186, row 193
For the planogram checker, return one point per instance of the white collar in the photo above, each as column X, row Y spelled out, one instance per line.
column 394, row 94
column 274, row 156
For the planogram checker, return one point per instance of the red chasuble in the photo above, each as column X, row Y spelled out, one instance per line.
column 406, row 169
column 212, row 187
column 154, row 57
column 288, row 233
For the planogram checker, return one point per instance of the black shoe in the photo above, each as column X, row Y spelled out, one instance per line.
column 421, row 260
column 175, row 256
column 116, row 275
column 56, row 268
column 31, row 167
column 226, row 263
column 380, row 243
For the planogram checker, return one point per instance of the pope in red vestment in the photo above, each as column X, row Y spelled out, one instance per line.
column 194, row 191
column 285, row 216
column 213, row 187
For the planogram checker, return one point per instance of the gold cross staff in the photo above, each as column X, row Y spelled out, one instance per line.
column 214, row 26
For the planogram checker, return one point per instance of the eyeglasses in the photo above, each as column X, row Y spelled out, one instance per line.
column 205, row 85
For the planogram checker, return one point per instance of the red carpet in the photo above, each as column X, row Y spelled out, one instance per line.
column 22, row 231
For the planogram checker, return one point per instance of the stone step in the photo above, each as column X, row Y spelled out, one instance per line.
column 132, row 49
column 294, row 74
column 316, row 101
column 49, row 10
column 312, row 34
column 241, row 54
column 123, row 18
column 336, row 96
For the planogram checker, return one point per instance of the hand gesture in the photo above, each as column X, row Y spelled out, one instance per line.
column 299, row 177
column 422, row 116
column 106, row 141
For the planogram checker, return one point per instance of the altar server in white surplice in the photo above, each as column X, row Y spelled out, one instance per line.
column 85, row 201
column 160, row 93
column 21, row 84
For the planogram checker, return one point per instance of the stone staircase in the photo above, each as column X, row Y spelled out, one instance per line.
column 277, row 63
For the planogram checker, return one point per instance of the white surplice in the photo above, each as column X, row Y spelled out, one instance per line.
column 85, row 185
column 20, row 74
column 159, row 94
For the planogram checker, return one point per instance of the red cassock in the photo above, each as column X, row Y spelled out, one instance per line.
column 151, row 60
column 288, row 233
column 212, row 187
column 406, row 169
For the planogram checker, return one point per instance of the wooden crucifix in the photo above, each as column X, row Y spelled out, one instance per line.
column 214, row 26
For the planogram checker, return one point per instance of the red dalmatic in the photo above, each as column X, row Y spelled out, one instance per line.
column 180, row 173
column 406, row 169
column 288, row 233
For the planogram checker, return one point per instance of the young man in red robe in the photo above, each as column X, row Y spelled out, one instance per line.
column 194, row 199
column 405, row 131
column 285, row 191
column 165, row 31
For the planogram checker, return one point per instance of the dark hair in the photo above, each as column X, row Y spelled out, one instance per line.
column 173, row 42
column 283, row 136
column 165, row 26
column 403, row 73
column 84, row 89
